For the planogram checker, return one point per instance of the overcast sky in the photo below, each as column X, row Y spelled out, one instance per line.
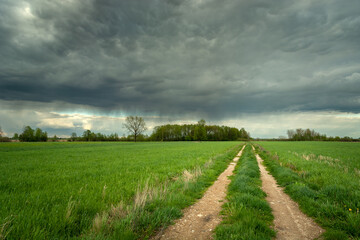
column 268, row 66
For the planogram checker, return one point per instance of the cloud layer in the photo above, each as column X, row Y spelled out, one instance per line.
column 203, row 58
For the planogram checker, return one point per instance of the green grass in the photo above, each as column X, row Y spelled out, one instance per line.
column 247, row 213
column 324, row 178
column 102, row 190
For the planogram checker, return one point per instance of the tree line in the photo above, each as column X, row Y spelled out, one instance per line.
column 32, row 135
column 134, row 124
column 172, row 132
column 305, row 135
column 311, row 135
column 136, row 127
column 198, row 132
column 28, row 135
column 92, row 136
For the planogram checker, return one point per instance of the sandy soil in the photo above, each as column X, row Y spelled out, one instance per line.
column 200, row 219
column 290, row 222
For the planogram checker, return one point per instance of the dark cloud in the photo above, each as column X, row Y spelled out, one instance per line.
column 200, row 57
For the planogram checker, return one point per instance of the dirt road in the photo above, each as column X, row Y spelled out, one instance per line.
column 290, row 222
column 200, row 219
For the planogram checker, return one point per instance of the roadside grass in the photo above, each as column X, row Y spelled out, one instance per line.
column 247, row 215
column 320, row 182
column 102, row 190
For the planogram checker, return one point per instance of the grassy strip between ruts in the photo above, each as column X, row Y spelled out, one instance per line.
column 321, row 191
column 156, row 206
column 247, row 213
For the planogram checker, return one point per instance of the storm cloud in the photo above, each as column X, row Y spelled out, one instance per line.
column 200, row 58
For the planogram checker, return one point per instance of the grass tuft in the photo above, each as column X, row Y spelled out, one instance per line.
column 6, row 227
column 69, row 209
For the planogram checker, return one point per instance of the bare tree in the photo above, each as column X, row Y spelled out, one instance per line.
column 1, row 132
column 291, row 134
column 135, row 125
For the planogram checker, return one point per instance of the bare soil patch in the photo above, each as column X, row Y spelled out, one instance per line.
column 200, row 219
column 290, row 222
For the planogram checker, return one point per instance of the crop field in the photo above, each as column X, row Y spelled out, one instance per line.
column 324, row 178
column 98, row 190
column 130, row 191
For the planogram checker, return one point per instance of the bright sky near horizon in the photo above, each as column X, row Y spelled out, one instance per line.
column 267, row 66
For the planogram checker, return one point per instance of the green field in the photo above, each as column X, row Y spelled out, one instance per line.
column 129, row 191
column 324, row 178
column 103, row 190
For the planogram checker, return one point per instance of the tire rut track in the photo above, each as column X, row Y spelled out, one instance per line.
column 290, row 222
column 200, row 219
